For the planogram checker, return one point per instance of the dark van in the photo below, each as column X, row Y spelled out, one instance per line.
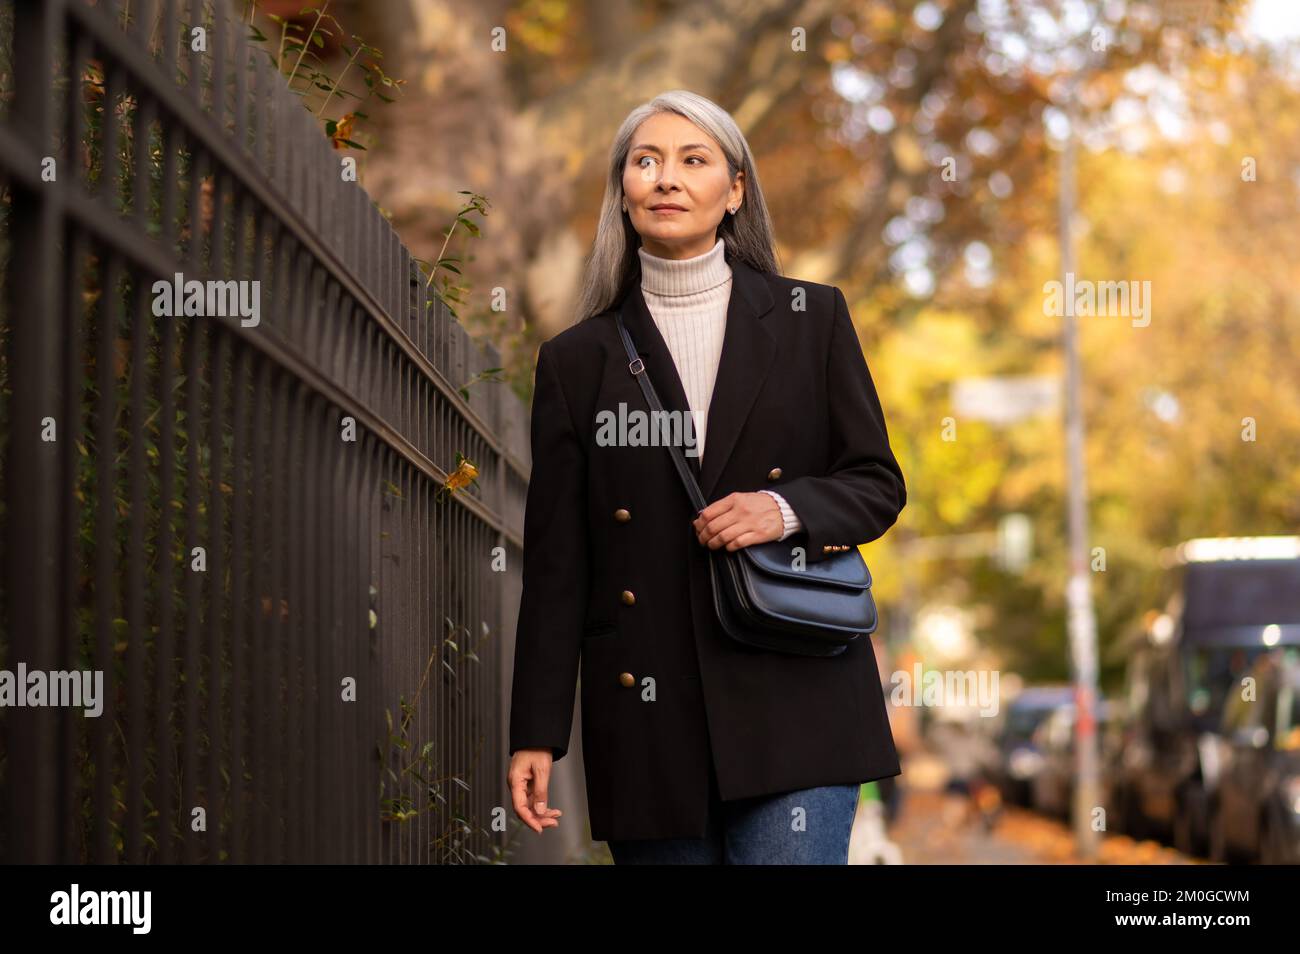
column 1231, row 601
column 1255, row 812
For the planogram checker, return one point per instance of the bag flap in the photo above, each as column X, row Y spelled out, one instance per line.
column 847, row 569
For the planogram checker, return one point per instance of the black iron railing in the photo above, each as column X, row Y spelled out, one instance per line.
column 233, row 517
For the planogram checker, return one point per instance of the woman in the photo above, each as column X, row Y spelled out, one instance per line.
column 697, row 749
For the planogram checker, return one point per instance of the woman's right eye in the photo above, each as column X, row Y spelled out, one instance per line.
column 640, row 161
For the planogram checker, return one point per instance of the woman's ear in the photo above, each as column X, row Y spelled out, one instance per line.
column 737, row 193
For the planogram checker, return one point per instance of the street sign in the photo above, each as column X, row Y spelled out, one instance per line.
column 1015, row 536
column 1005, row 400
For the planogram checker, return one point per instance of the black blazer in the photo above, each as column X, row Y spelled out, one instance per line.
column 616, row 584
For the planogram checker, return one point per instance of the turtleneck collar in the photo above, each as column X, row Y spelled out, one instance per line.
column 685, row 276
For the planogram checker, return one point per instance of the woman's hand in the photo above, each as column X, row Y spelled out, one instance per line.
column 529, row 776
column 739, row 520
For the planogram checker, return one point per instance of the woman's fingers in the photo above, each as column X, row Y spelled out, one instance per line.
column 715, row 527
column 747, row 539
column 519, row 796
column 741, row 523
column 529, row 780
column 720, row 506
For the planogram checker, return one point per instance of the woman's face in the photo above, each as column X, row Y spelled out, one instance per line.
column 677, row 187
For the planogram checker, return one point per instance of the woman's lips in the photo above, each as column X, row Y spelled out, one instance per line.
column 666, row 210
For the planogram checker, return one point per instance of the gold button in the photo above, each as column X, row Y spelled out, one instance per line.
column 774, row 473
column 621, row 515
column 626, row 679
column 629, row 597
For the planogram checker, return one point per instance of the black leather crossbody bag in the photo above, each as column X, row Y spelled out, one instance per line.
column 761, row 600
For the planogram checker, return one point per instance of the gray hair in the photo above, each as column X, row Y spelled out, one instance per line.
column 614, row 263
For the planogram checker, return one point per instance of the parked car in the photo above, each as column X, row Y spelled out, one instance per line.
column 1019, row 759
column 1232, row 600
column 1255, row 812
column 1053, row 785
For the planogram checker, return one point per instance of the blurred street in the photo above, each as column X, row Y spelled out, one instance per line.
column 934, row 827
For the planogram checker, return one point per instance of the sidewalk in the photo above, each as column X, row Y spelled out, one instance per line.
column 934, row 828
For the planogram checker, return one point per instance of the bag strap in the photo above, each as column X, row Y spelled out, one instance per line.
column 637, row 367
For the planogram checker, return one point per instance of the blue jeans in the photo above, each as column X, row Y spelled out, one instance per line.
column 810, row 826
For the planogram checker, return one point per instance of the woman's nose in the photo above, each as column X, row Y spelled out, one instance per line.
column 667, row 175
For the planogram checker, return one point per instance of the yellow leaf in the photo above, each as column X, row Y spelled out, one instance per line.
column 461, row 476
column 343, row 131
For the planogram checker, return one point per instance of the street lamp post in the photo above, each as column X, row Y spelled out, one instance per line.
column 1082, row 622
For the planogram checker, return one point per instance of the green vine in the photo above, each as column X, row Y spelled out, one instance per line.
column 407, row 763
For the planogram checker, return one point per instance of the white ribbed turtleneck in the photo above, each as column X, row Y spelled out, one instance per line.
column 688, row 299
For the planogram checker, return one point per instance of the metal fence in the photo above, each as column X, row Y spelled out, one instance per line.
column 299, row 637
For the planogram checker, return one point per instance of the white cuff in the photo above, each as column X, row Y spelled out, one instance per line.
column 791, row 520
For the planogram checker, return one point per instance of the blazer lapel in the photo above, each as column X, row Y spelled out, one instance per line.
column 748, row 351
